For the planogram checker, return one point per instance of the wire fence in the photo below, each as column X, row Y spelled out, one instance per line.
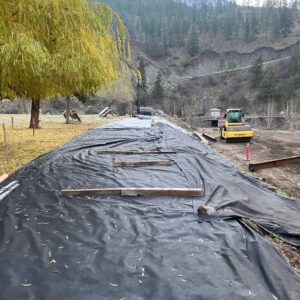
column 22, row 120
column 19, row 144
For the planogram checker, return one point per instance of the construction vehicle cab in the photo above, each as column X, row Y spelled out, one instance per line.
column 233, row 127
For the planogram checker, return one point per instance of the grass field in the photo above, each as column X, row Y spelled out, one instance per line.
column 21, row 146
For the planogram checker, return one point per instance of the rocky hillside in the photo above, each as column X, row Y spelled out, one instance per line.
column 178, row 65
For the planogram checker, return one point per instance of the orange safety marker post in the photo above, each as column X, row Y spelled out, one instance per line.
column 248, row 152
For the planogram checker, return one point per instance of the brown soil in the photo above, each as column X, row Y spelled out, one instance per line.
column 267, row 145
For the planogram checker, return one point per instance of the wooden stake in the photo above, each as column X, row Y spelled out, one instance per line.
column 142, row 163
column 4, row 135
column 175, row 192
column 12, row 122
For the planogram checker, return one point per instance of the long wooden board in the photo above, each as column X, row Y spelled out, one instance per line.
column 180, row 192
column 142, row 163
column 175, row 192
column 274, row 163
column 210, row 137
column 133, row 152
column 3, row 177
column 201, row 138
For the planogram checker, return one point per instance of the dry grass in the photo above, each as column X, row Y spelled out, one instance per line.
column 289, row 252
column 22, row 146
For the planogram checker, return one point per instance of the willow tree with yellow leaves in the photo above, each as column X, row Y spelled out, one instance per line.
column 54, row 48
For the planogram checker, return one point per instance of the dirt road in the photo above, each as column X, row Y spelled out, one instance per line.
column 267, row 145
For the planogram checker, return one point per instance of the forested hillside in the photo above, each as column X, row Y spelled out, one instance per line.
column 177, row 40
column 159, row 25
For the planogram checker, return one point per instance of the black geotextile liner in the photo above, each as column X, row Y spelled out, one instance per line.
column 86, row 248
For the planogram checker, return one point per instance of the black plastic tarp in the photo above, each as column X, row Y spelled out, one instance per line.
column 111, row 247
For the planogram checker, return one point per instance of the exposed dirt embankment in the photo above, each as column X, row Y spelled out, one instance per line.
column 210, row 61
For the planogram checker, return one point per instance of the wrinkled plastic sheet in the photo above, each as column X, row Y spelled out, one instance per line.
column 111, row 247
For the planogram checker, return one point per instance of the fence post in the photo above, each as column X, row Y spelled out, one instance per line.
column 4, row 134
column 12, row 122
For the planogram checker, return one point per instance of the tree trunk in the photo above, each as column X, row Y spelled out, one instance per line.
column 138, row 99
column 35, row 113
column 68, row 112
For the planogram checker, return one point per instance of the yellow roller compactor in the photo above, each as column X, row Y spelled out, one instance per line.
column 233, row 127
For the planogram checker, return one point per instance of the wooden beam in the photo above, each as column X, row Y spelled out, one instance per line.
column 3, row 177
column 210, row 137
column 142, row 163
column 201, row 138
column 274, row 163
column 175, row 192
column 91, row 192
column 133, row 152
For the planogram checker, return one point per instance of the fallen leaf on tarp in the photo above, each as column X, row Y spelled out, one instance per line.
column 113, row 284
column 27, row 284
column 53, row 262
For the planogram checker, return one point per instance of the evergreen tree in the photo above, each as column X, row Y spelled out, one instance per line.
column 267, row 90
column 161, row 24
column 294, row 70
column 286, row 20
column 158, row 91
column 294, row 66
column 247, row 34
column 254, row 25
column 256, row 72
column 293, row 85
column 276, row 26
column 142, row 70
column 193, row 46
column 228, row 26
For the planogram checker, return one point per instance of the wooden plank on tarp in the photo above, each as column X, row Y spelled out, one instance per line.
column 3, row 177
column 210, row 137
column 201, row 138
column 175, row 192
column 133, row 152
column 142, row 163
column 91, row 192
